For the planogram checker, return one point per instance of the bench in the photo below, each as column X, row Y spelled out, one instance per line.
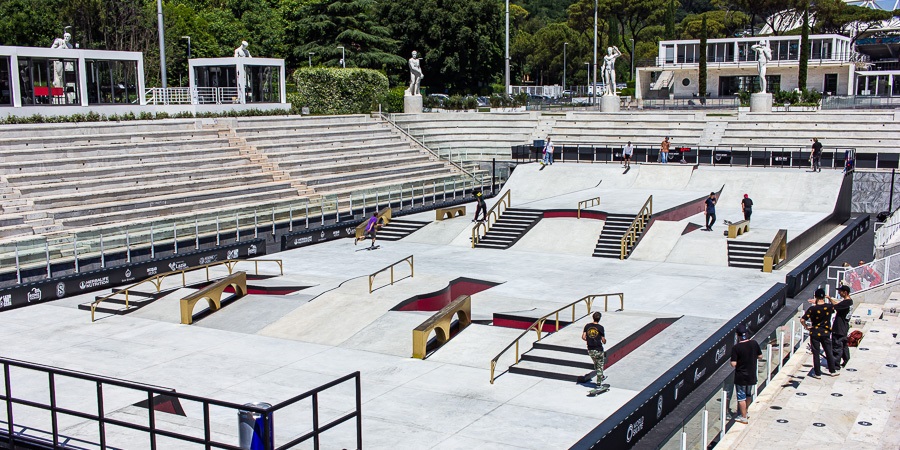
column 213, row 295
column 440, row 323
column 736, row 229
column 450, row 212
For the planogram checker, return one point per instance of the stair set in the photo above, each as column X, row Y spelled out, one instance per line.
column 610, row 243
column 555, row 362
column 399, row 229
column 511, row 226
column 748, row 255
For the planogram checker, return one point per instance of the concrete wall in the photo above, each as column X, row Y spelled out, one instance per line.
column 871, row 190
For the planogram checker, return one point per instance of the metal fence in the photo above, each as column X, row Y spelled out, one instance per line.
column 879, row 272
column 108, row 395
column 885, row 236
column 859, row 102
column 192, row 96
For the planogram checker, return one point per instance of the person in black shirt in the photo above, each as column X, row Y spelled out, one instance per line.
column 841, row 327
column 817, row 320
column 744, row 355
column 747, row 207
column 710, row 211
column 595, row 337
column 816, row 156
column 480, row 206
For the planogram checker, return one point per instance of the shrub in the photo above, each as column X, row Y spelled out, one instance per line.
column 330, row 90
column 811, row 96
column 393, row 100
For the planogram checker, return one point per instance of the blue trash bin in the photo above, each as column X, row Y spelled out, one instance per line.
column 252, row 427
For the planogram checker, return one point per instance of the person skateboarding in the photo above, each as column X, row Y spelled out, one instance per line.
column 480, row 206
column 595, row 336
column 372, row 227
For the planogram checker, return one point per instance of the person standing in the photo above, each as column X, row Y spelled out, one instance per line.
column 664, row 151
column 548, row 152
column 816, row 156
column 817, row 320
column 480, row 206
column 841, row 327
column 747, row 207
column 744, row 355
column 710, row 211
column 627, row 152
column 595, row 336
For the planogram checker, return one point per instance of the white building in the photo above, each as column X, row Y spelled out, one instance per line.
column 732, row 67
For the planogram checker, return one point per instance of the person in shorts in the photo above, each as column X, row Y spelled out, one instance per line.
column 744, row 356
column 627, row 152
column 371, row 229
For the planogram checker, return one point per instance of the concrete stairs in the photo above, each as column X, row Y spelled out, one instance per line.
column 511, row 226
column 745, row 254
column 609, row 245
column 713, row 132
column 544, row 128
column 259, row 158
column 399, row 229
column 556, row 362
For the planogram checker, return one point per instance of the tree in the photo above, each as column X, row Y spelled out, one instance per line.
column 804, row 49
column 701, row 78
column 670, row 21
column 835, row 16
column 764, row 11
column 719, row 24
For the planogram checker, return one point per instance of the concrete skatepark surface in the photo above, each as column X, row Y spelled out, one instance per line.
column 269, row 348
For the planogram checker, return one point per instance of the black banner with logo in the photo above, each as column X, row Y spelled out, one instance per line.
column 79, row 283
column 625, row 427
column 803, row 274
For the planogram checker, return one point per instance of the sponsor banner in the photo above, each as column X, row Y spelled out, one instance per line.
column 801, row 276
column 79, row 283
column 318, row 235
column 630, row 423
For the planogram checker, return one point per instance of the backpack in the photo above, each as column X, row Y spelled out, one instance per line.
column 854, row 338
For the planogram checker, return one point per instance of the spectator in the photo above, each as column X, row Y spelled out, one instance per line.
column 627, row 151
column 548, row 152
column 710, row 211
column 747, row 207
column 817, row 320
column 744, row 355
column 848, row 160
column 664, row 151
column 815, row 158
column 841, row 327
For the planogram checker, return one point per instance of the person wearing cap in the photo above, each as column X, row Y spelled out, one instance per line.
column 744, row 355
column 747, row 207
column 817, row 320
column 840, row 329
column 664, row 151
column 710, row 211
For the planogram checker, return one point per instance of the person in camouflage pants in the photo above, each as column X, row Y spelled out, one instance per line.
column 595, row 336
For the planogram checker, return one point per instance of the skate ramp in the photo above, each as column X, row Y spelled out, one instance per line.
column 528, row 183
column 771, row 189
column 562, row 235
column 663, row 176
column 658, row 241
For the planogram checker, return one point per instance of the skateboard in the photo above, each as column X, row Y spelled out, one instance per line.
column 373, row 247
column 600, row 390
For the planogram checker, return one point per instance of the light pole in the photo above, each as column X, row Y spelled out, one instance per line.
column 343, row 61
column 162, row 42
column 595, row 49
column 189, row 45
column 588, row 93
column 310, row 58
column 506, row 61
column 564, row 65
column 632, row 59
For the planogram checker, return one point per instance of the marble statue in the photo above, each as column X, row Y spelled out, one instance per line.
column 415, row 75
column 609, row 70
column 64, row 42
column 242, row 52
column 763, row 56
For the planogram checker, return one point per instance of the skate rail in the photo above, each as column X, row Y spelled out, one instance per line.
column 777, row 251
column 412, row 272
column 637, row 226
column 585, row 204
column 440, row 322
column 538, row 324
column 492, row 216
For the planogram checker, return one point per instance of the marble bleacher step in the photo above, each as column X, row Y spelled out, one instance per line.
column 80, row 185
column 172, row 157
column 49, row 142
column 97, row 172
column 328, row 166
column 362, row 179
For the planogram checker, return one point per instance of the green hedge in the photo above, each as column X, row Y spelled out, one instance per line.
column 95, row 117
column 330, row 90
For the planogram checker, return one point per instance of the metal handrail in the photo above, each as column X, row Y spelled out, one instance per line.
column 412, row 271
column 777, row 251
column 538, row 324
column 429, row 150
column 503, row 203
column 157, row 279
column 630, row 236
column 587, row 204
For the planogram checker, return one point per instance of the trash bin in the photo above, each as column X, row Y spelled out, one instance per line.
column 251, row 427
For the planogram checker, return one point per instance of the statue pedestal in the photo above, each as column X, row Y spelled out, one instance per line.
column 761, row 102
column 610, row 103
column 412, row 104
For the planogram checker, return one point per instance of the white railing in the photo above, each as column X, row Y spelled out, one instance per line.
column 875, row 274
column 886, row 234
column 192, row 96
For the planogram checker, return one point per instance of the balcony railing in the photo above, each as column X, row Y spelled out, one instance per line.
column 192, row 96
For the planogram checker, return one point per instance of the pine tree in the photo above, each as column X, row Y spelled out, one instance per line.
column 701, row 78
column 670, row 20
column 804, row 49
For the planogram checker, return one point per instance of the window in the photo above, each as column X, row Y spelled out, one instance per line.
column 5, row 82
column 48, row 81
column 263, row 84
column 111, row 82
column 670, row 54
column 820, row 49
column 831, row 83
column 688, row 53
column 895, row 87
column 748, row 83
column 686, row 82
column 745, row 52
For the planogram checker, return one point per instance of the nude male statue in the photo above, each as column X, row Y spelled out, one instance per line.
column 609, row 70
column 242, row 52
column 415, row 75
column 763, row 56
column 64, row 42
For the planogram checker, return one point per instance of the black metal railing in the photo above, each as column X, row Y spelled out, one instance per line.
column 147, row 393
column 786, row 157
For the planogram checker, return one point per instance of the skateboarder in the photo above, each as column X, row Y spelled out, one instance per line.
column 815, row 158
column 372, row 227
column 548, row 153
column 627, row 151
column 595, row 336
column 710, row 211
column 480, row 206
